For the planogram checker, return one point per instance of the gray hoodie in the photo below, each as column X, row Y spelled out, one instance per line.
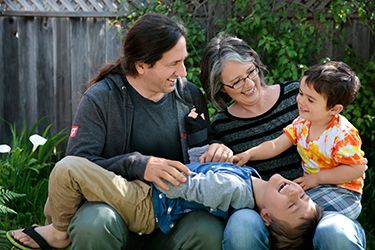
column 103, row 123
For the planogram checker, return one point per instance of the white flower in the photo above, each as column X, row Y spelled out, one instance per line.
column 37, row 140
column 4, row 148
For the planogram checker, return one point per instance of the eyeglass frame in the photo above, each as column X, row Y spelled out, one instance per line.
column 243, row 79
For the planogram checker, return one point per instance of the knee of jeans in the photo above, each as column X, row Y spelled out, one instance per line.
column 331, row 226
column 338, row 230
column 96, row 220
column 244, row 221
column 245, row 228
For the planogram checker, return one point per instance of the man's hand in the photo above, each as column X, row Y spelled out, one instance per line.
column 171, row 171
column 216, row 152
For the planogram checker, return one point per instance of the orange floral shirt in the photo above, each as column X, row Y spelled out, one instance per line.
column 339, row 144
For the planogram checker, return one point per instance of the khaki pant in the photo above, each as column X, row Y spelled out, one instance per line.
column 76, row 178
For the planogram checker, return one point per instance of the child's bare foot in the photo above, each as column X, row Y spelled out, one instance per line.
column 54, row 237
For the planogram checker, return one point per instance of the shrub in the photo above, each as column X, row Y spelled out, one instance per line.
column 25, row 170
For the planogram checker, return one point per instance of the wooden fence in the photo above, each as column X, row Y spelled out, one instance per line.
column 45, row 63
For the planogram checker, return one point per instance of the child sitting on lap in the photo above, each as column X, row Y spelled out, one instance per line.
column 328, row 143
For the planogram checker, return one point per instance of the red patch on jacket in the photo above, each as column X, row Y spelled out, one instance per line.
column 74, row 130
column 183, row 135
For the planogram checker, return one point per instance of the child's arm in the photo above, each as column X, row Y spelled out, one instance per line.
column 266, row 150
column 216, row 190
column 338, row 175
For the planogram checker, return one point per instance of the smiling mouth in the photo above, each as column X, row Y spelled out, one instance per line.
column 249, row 92
column 303, row 110
column 283, row 186
column 174, row 80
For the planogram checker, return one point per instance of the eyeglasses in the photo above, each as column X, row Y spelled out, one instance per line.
column 238, row 84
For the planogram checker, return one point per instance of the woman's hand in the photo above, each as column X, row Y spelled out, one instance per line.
column 216, row 152
column 158, row 169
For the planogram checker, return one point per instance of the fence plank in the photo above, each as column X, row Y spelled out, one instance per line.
column 79, row 57
column 62, row 73
column 361, row 38
column 356, row 37
column 2, row 96
column 10, row 78
column 96, row 57
column 27, row 71
column 114, row 42
column 44, row 74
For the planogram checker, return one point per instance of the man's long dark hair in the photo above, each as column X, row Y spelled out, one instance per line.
column 146, row 41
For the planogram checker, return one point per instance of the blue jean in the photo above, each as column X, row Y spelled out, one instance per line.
column 245, row 229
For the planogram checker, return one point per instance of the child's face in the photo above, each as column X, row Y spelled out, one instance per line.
column 286, row 202
column 312, row 106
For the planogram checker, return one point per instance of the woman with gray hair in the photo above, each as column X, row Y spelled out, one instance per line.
column 232, row 73
column 251, row 112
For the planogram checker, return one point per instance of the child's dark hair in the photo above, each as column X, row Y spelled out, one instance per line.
column 284, row 237
column 335, row 80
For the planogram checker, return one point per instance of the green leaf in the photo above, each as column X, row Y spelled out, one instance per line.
column 257, row 20
column 32, row 161
column 349, row 108
column 357, row 112
column 261, row 42
column 281, row 52
column 291, row 53
column 284, row 60
column 267, row 47
column 181, row 10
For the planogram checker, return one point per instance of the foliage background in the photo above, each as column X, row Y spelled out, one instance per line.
column 288, row 37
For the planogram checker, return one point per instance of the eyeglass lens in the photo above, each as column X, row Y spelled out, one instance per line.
column 253, row 73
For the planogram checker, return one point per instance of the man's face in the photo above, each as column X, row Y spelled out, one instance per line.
column 286, row 202
column 162, row 77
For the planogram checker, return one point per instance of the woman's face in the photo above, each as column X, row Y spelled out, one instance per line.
column 250, row 92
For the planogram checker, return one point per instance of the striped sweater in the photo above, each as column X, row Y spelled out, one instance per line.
column 240, row 134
